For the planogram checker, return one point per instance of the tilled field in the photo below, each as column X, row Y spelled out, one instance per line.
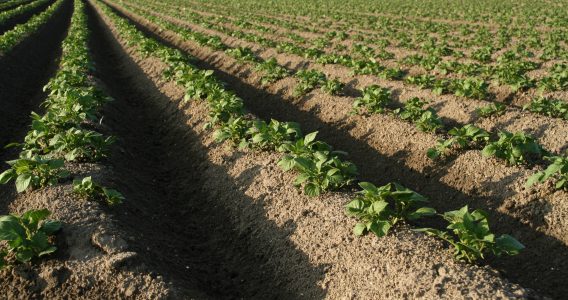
column 208, row 210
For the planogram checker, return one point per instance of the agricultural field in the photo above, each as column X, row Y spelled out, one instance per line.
column 247, row 149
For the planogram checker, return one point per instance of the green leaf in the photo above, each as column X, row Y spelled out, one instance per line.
column 534, row 179
column 312, row 189
column 50, row 227
column 489, row 150
column 10, row 228
column 310, row 137
column 359, row 229
column 24, row 255
column 509, row 244
column 422, row 212
column 23, row 182
column 380, row 228
column 7, row 175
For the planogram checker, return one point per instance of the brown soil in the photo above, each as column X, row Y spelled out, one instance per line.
column 280, row 227
column 454, row 110
column 396, row 152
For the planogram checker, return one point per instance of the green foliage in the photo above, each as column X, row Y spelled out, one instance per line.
column 272, row 71
column 91, row 190
column 558, row 170
column 33, row 171
column 557, row 79
column 242, row 54
column 27, row 236
column 471, row 237
column 380, row 208
column 333, row 87
column 555, row 108
column 320, row 169
column 309, row 80
column 467, row 136
column 493, row 109
column 470, row 87
column 270, row 136
column 14, row 36
column 425, row 119
column 514, row 148
column 374, row 99
column 423, row 81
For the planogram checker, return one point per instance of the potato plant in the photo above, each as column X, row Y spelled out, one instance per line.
column 470, row 235
column 380, row 208
column 27, row 236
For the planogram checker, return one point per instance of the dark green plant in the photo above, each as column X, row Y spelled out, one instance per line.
column 33, row 171
column 515, row 148
column 471, row 237
column 380, row 208
column 493, row 109
column 27, row 236
column 465, row 137
column 374, row 99
column 91, row 190
column 558, row 170
column 309, row 80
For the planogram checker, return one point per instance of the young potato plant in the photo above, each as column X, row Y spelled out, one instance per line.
column 375, row 99
column 554, row 108
column 467, row 136
column 309, row 80
column 272, row 71
column 423, row 81
column 223, row 106
column 557, row 80
column 234, row 130
column 471, row 237
column 322, row 172
column 470, row 88
column 558, row 170
column 91, row 190
column 425, row 119
column 493, row 109
column 333, row 87
column 380, row 208
column 26, row 236
column 80, row 144
column 320, row 168
column 270, row 136
column 34, row 171
column 515, row 148
column 244, row 54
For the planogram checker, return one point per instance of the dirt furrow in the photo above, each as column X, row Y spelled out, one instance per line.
column 306, row 244
column 452, row 109
column 172, row 218
column 388, row 150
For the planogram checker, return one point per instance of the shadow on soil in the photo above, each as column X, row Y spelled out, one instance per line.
column 24, row 72
column 182, row 232
column 543, row 266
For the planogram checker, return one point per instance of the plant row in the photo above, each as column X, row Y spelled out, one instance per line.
column 12, row 4
column 319, row 168
column 61, row 134
column 20, row 32
column 514, row 148
column 509, row 70
column 6, row 16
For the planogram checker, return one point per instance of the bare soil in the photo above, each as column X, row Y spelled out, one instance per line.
column 534, row 217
